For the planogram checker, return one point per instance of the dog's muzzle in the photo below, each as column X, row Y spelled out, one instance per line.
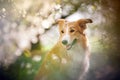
column 69, row 46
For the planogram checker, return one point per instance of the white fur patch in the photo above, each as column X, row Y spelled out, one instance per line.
column 66, row 35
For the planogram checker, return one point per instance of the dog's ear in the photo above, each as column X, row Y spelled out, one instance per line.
column 61, row 22
column 82, row 23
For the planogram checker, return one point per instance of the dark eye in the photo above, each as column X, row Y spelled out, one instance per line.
column 72, row 30
column 62, row 31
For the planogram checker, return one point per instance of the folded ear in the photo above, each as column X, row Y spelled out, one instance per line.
column 82, row 23
column 61, row 22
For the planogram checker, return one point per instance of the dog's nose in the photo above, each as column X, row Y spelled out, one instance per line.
column 64, row 42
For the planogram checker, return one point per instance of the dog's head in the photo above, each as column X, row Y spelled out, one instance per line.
column 70, row 32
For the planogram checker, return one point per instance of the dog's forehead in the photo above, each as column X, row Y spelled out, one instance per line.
column 67, row 25
column 72, row 24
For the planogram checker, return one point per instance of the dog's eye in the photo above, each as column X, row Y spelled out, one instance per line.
column 72, row 30
column 62, row 31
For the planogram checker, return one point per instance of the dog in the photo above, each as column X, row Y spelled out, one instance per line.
column 69, row 58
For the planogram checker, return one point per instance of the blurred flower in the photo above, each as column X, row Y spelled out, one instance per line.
column 36, row 58
column 21, row 22
column 54, row 57
column 3, row 9
column 28, row 65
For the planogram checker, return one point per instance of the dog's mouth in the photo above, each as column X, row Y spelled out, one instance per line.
column 69, row 46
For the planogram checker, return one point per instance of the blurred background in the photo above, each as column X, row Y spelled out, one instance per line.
column 28, row 30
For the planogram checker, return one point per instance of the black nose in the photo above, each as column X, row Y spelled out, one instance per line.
column 64, row 42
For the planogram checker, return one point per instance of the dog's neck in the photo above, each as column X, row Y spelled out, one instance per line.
column 77, row 55
column 77, row 52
